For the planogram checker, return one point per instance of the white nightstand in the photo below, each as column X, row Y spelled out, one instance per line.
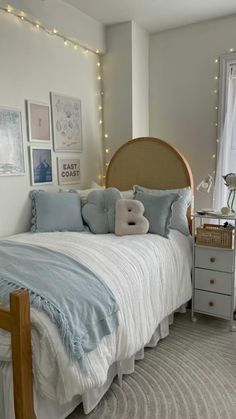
column 213, row 275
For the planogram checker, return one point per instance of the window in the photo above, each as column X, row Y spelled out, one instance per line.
column 226, row 156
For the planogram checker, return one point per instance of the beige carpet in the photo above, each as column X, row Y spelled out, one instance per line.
column 189, row 375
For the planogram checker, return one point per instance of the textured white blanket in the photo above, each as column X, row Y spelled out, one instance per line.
column 150, row 277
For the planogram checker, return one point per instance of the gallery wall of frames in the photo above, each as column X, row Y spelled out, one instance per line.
column 50, row 112
column 57, row 125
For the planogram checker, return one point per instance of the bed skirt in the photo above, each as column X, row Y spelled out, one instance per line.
column 45, row 408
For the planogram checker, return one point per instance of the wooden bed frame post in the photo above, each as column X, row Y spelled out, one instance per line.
column 17, row 322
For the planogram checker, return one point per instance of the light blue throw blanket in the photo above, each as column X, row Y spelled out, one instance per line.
column 76, row 300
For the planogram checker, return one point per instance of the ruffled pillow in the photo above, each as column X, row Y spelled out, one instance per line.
column 158, row 211
column 55, row 211
column 179, row 219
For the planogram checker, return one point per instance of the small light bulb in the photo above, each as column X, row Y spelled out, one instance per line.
column 214, row 172
column 101, row 93
column 97, row 51
column 9, row 9
column 216, row 124
column 106, row 135
column 216, row 108
column 107, row 150
column 99, row 77
column 216, row 77
column 22, row 18
column 100, row 108
column 86, row 51
column 215, row 91
column 75, row 47
column 37, row 25
column 98, row 64
column 213, row 156
column 55, row 30
column 107, row 164
column 65, row 42
column 100, row 122
column 216, row 60
column 104, row 177
column 217, row 140
column 231, row 50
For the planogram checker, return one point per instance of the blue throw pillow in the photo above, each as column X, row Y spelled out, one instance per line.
column 55, row 211
column 179, row 219
column 99, row 212
column 158, row 211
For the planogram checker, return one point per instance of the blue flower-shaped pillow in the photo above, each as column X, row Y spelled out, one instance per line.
column 99, row 212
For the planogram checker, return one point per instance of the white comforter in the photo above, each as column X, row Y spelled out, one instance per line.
column 149, row 277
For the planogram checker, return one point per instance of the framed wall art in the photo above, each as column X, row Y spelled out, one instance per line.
column 66, row 123
column 41, row 165
column 68, row 171
column 38, row 120
column 11, row 143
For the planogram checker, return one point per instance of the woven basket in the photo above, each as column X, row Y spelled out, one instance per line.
column 214, row 235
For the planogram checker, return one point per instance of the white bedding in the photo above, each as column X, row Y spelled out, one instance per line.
column 150, row 277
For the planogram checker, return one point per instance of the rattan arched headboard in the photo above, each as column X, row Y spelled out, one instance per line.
column 148, row 162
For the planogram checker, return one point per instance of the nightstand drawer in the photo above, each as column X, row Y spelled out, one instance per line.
column 211, row 303
column 214, row 281
column 212, row 258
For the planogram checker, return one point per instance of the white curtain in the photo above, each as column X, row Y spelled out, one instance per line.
column 226, row 162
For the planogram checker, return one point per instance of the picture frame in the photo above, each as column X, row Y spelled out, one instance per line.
column 38, row 121
column 66, row 123
column 41, row 165
column 68, row 171
column 12, row 160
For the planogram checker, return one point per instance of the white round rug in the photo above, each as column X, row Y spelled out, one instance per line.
column 189, row 375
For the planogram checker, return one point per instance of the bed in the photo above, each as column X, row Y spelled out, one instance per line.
column 149, row 276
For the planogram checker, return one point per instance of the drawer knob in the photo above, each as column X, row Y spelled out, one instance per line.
column 212, row 259
column 211, row 303
column 212, row 281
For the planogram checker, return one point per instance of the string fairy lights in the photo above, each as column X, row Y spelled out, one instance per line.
column 216, row 91
column 51, row 31
column 77, row 46
column 105, row 136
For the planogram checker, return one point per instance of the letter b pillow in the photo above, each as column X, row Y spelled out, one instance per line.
column 129, row 218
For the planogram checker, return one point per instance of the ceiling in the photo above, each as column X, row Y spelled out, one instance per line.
column 155, row 15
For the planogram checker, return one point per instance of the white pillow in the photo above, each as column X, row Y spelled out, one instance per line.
column 83, row 193
column 95, row 185
column 128, row 194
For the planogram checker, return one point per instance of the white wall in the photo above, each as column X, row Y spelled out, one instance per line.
column 33, row 64
column 140, row 81
column 126, row 84
column 182, row 99
column 67, row 19
column 117, row 76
